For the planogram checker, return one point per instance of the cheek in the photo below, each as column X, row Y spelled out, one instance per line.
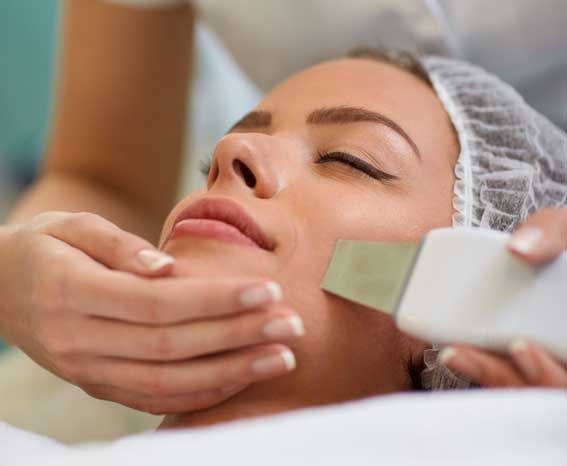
column 383, row 215
column 360, row 212
column 433, row 199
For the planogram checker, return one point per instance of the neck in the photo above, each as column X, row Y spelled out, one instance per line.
column 255, row 401
column 335, row 364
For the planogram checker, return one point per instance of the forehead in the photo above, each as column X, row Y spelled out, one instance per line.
column 380, row 87
column 352, row 78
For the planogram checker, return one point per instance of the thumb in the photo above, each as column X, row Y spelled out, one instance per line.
column 542, row 237
column 106, row 243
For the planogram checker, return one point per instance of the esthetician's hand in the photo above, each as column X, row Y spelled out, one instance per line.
column 528, row 365
column 542, row 238
column 92, row 304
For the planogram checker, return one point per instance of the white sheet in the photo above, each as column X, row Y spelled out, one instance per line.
column 527, row 427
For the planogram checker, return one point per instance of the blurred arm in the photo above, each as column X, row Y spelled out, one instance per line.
column 118, row 131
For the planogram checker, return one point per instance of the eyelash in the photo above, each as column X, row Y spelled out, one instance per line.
column 342, row 157
column 356, row 164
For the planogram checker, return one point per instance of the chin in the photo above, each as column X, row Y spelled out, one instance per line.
column 198, row 256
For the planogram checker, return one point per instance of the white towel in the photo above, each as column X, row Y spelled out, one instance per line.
column 481, row 427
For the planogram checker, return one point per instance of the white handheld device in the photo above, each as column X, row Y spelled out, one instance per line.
column 457, row 285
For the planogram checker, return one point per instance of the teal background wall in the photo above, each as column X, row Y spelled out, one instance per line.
column 28, row 30
column 27, row 47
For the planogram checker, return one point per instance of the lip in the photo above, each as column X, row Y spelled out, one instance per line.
column 221, row 219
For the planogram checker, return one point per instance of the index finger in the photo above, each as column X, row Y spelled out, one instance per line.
column 162, row 301
column 486, row 369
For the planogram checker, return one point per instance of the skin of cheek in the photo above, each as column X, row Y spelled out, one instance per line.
column 343, row 335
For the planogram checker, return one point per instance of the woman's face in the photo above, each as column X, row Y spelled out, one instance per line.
column 350, row 148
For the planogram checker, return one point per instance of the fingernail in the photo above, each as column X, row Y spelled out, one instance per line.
column 154, row 260
column 232, row 389
column 283, row 361
column 459, row 362
column 447, row 354
column 284, row 327
column 261, row 294
column 525, row 359
column 525, row 240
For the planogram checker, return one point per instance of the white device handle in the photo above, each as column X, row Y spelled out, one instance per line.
column 467, row 287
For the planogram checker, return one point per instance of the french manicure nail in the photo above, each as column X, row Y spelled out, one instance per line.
column 275, row 363
column 525, row 240
column 459, row 362
column 524, row 359
column 154, row 260
column 232, row 389
column 261, row 294
column 284, row 327
column 447, row 354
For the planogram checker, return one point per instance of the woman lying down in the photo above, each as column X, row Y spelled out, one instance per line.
column 370, row 147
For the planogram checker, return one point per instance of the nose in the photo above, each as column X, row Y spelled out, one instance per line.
column 246, row 161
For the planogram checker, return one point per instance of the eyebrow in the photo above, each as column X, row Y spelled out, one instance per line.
column 329, row 116
column 254, row 119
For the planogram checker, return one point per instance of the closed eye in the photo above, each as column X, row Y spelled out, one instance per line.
column 342, row 157
column 357, row 164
